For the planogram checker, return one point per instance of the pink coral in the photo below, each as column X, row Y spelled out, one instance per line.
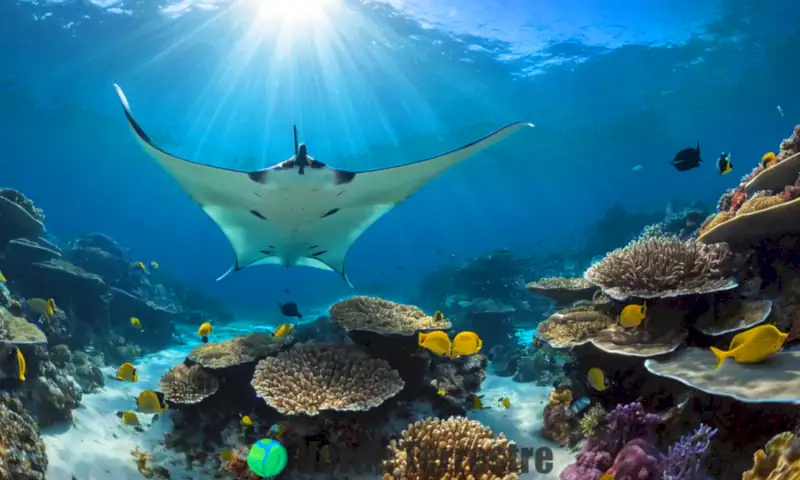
column 738, row 199
column 638, row 460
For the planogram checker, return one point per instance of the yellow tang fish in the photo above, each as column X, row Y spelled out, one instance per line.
column 441, row 392
column 437, row 342
column 504, row 401
column 768, row 160
column 283, row 330
column 21, row 365
column 2, row 278
column 150, row 401
column 227, row 455
column 465, row 343
column 127, row 373
column 597, row 379
column 204, row 331
column 632, row 315
column 477, row 402
column 247, row 421
column 141, row 266
column 154, row 264
column 128, row 418
column 752, row 346
column 136, row 323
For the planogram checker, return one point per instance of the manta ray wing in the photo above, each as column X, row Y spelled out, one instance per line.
column 275, row 216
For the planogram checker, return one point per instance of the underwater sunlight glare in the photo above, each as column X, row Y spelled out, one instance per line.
column 289, row 13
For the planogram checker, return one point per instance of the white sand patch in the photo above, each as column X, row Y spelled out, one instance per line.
column 523, row 421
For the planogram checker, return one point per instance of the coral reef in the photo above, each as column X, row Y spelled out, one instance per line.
column 237, row 351
column 22, row 452
column 382, row 316
column 563, row 291
column 658, row 267
column 456, row 448
column 568, row 328
column 780, row 460
column 186, row 385
column 315, row 377
column 684, row 460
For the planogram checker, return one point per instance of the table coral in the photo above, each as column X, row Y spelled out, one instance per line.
column 382, row 316
column 456, row 449
column 237, row 351
column 185, row 385
column 666, row 266
column 314, row 377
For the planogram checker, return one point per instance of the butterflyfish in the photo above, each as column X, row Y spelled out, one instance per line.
column 141, row 266
column 22, row 366
column 150, row 401
column 477, row 402
column 504, row 401
column 437, row 342
column 2, row 278
column 441, row 392
column 136, row 323
column 724, row 164
column 42, row 306
column 438, row 316
column 607, row 476
column 752, row 346
column 247, row 421
column 204, row 331
column 154, row 264
column 129, row 418
column 597, row 379
column 632, row 315
column 127, row 373
column 283, row 330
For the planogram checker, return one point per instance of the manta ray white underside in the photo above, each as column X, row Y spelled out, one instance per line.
column 301, row 211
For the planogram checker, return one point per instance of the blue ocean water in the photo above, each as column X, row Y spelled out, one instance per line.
column 614, row 88
column 608, row 85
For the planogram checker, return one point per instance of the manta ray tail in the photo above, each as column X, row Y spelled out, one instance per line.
column 228, row 272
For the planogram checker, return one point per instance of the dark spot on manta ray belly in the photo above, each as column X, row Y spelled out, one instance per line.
column 254, row 212
column 317, row 254
column 260, row 176
column 266, row 252
column 342, row 176
column 313, row 247
column 330, row 212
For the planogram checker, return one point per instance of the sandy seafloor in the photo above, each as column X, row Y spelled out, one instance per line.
column 97, row 446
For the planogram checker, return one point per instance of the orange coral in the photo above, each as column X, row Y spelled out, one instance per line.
column 561, row 395
column 759, row 203
column 715, row 220
column 739, row 197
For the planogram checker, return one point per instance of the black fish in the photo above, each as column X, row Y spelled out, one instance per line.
column 289, row 309
column 687, row 159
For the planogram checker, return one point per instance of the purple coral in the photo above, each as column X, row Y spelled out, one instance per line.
column 592, row 461
column 628, row 422
column 684, row 460
column 638, row 460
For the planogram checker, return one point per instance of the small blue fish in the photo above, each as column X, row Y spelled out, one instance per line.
column 580, row 404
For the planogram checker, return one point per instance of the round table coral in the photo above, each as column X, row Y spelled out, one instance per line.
column 315, row 377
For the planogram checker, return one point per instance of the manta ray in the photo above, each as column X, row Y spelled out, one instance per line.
column 300, row 211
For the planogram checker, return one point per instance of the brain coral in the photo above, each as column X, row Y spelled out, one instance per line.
column 664, row 266
column 186, row 385
column 456, row 448
column 382, row 316
column 314, row 377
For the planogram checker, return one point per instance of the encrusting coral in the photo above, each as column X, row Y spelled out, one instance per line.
column 184, row 385
column 779, row 461
column 568, row 328
column 666, row 266
column 591, row 421
column 456, row 448
column 382, row 316
column 314, row 377
column 22, row 452
column 237, row 351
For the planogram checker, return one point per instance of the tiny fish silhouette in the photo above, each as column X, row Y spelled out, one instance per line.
column 289, row 309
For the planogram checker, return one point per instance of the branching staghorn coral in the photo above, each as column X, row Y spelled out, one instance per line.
column 665, row 266
column 456, row 448
column 684, row 460
column 314, row 377
column 382, row 316
column 185, row 385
